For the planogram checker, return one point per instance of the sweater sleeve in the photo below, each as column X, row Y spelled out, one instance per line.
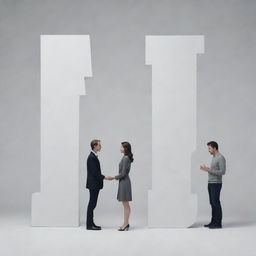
column 124, row 168
column 222, row 168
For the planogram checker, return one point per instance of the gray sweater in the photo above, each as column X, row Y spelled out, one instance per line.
column 218, row 168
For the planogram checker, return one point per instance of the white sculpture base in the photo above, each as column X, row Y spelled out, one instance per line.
column 175, row 211
column 44, row 211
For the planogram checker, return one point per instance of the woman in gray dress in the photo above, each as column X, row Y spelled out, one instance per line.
column 124, row 193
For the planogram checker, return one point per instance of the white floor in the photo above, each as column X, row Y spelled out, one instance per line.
column 17, row 237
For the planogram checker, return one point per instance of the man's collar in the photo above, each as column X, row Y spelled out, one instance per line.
column 217, row 153
column 95, row 153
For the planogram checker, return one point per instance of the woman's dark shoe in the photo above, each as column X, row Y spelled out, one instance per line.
column 126, row 228
column 207, row 225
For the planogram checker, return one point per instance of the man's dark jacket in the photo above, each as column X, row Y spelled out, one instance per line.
column 94, row 175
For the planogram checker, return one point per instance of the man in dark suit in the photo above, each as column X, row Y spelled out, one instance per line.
column 94, row 182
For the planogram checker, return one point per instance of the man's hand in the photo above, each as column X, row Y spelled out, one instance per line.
column 204, row 168
column 109, row 178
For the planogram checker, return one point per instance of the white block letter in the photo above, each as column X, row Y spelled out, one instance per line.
column 65, row 61
column 173, row 60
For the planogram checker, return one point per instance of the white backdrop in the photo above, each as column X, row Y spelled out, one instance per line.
column 118, row 106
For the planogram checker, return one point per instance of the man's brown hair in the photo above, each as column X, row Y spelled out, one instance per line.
column 94, row 143
column 213, row 144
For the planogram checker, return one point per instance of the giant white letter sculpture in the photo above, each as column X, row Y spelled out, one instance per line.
column 65, row 61
column 173, row 60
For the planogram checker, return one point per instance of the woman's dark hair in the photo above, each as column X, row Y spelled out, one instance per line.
column 128, row 150
column 213, row 144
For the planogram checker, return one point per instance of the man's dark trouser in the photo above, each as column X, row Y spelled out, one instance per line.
column 91, row 206
column 214, row 196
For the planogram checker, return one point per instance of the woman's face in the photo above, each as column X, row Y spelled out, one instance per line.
column 121, row 149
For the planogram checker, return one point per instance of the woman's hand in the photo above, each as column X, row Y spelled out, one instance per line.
column 110, row 178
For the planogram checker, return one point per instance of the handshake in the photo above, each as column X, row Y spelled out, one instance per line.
column 109, row 178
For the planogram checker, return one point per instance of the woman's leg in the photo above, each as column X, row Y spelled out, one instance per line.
column 127, row 212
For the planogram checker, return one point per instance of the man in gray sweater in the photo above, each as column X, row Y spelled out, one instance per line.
column 215, row 172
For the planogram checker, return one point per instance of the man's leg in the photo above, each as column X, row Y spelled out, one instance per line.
column 217, row 204
column 91, row 206
column 217, row 210
column 210, row 200
column 94, row 205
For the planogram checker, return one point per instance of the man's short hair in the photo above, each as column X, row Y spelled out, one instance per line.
column 213, row 144
column 94, row 143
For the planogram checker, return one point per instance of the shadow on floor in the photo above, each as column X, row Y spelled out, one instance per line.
column 228, row 223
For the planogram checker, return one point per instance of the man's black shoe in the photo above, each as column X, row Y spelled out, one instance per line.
column 214, row 226
column 97, row 226
column 207, row 225
column 93, row 228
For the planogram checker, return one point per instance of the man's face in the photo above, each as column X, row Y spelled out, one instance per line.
column 211, row 150
column 98, row 147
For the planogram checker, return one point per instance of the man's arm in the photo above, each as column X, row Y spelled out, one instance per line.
column 222, row 170
column 92, row 166
column 124, row 167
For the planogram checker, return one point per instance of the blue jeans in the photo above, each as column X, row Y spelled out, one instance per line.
column 214, row 196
